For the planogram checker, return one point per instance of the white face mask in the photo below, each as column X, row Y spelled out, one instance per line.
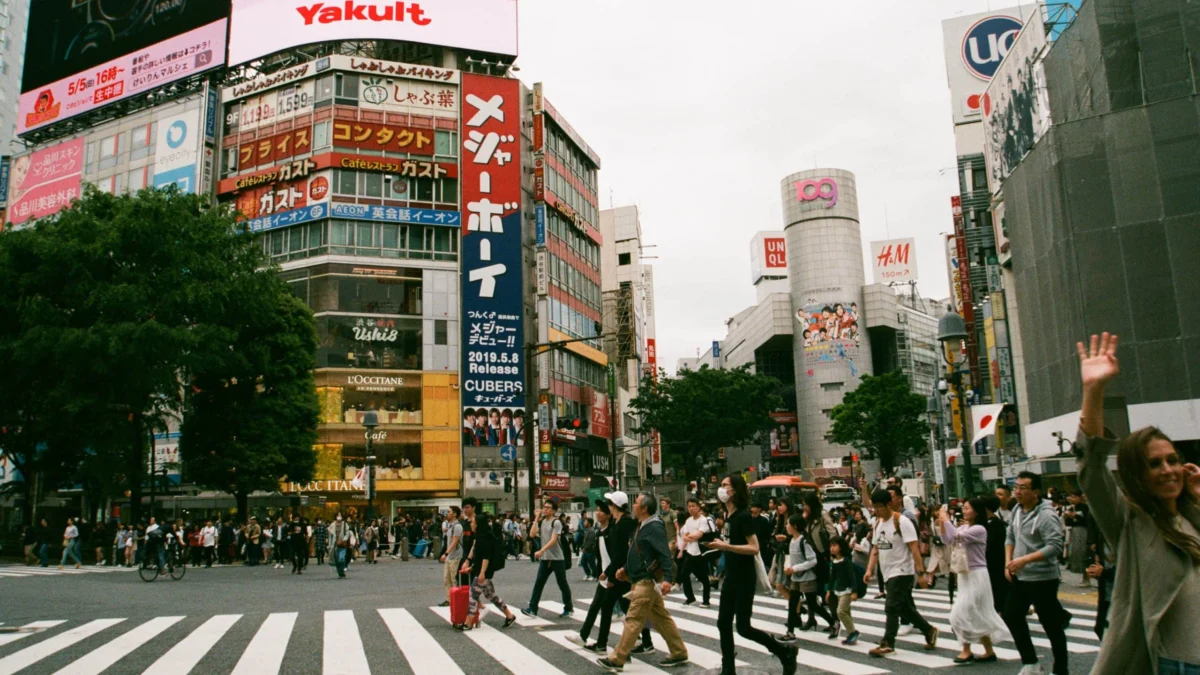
column 723, row 494
column 339, row 519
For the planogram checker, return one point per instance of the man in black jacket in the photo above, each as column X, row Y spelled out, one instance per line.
column 997, row 529
column 764, row 531
column 648, row 560
column 621, row 529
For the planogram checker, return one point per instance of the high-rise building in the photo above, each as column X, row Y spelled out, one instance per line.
column 1101, row 209
column 14, row 20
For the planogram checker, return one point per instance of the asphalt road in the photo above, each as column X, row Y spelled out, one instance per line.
column 384, row 618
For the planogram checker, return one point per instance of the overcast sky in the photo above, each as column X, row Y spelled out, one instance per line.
column 699, row 108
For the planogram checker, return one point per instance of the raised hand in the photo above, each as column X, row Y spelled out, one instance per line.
column 1193, row 479
column 1098, row 362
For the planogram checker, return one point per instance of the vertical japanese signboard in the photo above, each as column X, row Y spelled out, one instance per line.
column 964, row 294
column 493, row 335
column 655, row 444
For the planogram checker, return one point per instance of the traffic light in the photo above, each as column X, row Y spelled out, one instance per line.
column 508, row 484
column 848, row 460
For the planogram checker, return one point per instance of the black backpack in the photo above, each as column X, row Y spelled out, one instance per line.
column 499, row 555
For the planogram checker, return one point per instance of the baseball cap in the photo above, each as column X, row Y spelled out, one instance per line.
column 619, row 498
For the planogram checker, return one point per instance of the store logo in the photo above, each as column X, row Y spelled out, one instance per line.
column 375, row 334
column 812, row 190
column 318, row 188
column 176, row 134
column 44, row 110
column 987, row 43
column 375, row 381
column 354, row 11
column 374, row 93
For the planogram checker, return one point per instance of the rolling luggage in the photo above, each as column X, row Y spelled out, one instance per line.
column 459, row 595
column 421, row 548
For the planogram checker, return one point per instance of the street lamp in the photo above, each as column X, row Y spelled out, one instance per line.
column 370, row 421
column 952, row 330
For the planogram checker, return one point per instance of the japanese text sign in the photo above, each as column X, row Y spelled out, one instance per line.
column 894, row 260
column 182, row 56
column 350, row 134
column 493, row 335
column 45, row 182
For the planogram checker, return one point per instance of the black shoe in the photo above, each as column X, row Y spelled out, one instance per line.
column 445, row 603
column 597, row 648
column 509, row 622
column 788, row 658
column 609, row 666
column 671, row 662
column 642, row 649
column 986, row 659
column 706, row 604
column 687, row 603
column 960, row 661
column 834, row 631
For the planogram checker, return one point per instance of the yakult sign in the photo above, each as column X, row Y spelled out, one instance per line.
column 479, row 25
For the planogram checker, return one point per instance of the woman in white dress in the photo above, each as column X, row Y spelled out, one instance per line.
column 973, row 617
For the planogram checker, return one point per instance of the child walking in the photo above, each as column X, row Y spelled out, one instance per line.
column 800, row 569
column 843, row 585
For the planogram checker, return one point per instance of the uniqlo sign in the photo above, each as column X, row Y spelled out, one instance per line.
column 775, row 252
column 478, row 25
column 493, row 335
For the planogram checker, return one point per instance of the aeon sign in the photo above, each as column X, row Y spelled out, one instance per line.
column 821, row 188
column 987, row 43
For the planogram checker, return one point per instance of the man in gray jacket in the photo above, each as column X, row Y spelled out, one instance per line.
column 1032, row 548
column 649, row 557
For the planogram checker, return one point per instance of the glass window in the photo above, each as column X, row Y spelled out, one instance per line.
column 366, row 237
column 445, row 143
column 137, row 179
column 424, row 190
column 372, row 184
column 416, row 238
column 368, row 342
column 345, row 181
column 321, row 135
column 441, row 240
column 449, row 190
column 440, row 331
column 340, row 233
column 229, row 161
column 277, row 238
column 296, row 238
column 347, row 87
column 316, row 235
column 389, row 235
column 624, row 259
column 323, row 90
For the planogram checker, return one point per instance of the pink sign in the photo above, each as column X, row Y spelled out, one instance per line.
column 174, row 59
column 822, row 188
column 45, row 182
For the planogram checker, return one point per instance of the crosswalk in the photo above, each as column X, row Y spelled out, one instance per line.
column 15, row 571
column 421, row 641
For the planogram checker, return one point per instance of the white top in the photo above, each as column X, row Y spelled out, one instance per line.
column 692, row 526
column 895, row 558
column 153, row 527
column 605, row 559
column 71, row 532
column 454, row 550
column 208, row 536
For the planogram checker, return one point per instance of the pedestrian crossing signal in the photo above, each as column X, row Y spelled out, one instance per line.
column 508, row 484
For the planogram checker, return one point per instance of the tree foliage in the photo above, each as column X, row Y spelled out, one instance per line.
column 697, row 412
column 882, row 419
column 106, row 312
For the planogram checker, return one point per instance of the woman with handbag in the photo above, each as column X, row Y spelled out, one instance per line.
column 973, row 617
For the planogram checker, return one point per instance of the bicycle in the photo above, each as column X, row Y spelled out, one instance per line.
column 175, row 567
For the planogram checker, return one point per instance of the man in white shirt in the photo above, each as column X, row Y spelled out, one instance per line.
column 1004, row 494
column 454, row 551
column 694, row 562
column 896, row 552
column 208, row 539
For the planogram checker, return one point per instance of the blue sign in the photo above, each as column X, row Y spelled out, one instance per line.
column 286, row 218
column 986, row 44
column 539, row 212
column 508, row 453
column 716, row 349
column 183, row 177
column 210, row 115
column 392, row 214
column 5, row 165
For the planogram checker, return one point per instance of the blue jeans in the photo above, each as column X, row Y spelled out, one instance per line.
column 72, row 550
column 1173, row 667
column 339, row 561
column 44, row 554
column 588, row 562
column 559, row 568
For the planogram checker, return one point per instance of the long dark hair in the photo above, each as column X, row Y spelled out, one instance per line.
column 482, row 529
column 741, row 493
column 1133, row 467
column 781, row 523
column 979, row 505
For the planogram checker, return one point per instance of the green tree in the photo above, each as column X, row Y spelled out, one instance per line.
column 698, row 412
column 882, row 419
column 106, row 310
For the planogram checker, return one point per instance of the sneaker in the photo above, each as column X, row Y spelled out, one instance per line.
column 880, row 596
column 688, row 603
column 931, row 639
column 597, row 648
column 609, row 666
column 706, row 604
column 642, row 649
column 851, row 639
column 834, row 631
column 566, row 614
column 904, row 630
column 529, row 612
column 576, row 640
column 445, row 603
column 882, row 650
column 672, row 662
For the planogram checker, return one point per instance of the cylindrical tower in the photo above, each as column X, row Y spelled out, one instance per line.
column 825, row 264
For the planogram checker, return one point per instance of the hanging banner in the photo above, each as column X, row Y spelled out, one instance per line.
column 493, row 332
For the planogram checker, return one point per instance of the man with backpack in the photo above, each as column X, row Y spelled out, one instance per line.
column 698, row 527
column 897, row 554
column 551, row 560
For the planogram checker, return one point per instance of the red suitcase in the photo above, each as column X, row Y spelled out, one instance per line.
column 459, row 597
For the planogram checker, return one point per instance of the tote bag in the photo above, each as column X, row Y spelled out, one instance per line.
column 764, row 582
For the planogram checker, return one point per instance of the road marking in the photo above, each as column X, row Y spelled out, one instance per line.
column 559, row 637
column 265, row 652
column 96, row 661
column 29, row 629
column 424, row 654
column 705, row 658
column 34, row 653
column 344, row 654
column 509, row 653
column 184, row 656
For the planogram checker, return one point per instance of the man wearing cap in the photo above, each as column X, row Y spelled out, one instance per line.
column 551, row 559
column 649, row 572
column 621, row 529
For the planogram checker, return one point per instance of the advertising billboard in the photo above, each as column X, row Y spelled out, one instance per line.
column 974, row 47
column 830, row 331
column 768, row 256
column 177, row 56
column 478, row 25
column 1016, row 105
column 784, row 439
column 178, row 151
column 45, row 182
column 493, row 331
column 894, row 260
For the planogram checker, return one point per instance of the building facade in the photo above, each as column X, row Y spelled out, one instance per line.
column 14, row 20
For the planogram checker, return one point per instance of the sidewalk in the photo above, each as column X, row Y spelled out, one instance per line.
column 1070, row 591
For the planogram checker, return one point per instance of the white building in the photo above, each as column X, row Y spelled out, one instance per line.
column 14, row 19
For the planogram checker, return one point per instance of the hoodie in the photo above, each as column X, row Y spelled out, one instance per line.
column 1038, row 530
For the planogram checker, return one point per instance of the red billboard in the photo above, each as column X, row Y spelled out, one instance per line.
column 775, row 253
column 390, row 137
column 45, row 182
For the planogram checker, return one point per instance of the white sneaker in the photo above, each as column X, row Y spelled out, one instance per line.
column 1032, row 669
column 574, row 639
column 904, row 630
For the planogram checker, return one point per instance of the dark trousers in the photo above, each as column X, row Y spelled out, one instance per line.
column 697, row 565
column 253, row 551
column 815, row 609
column 320, row 553
column 590, row 565
column 299, row 555
column 899, row 605
column 209, row 553
column 999, row 590
column 559, row 569
column 603, row 602
column 737, row 601
column 1043, row 595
